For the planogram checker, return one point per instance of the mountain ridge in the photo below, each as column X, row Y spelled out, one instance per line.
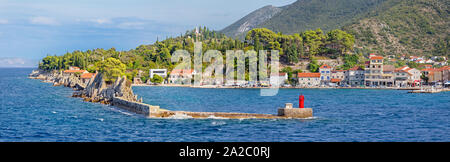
column 387, row 27
column 251, row 21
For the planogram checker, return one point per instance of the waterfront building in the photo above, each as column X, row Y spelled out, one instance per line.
column 415, row 77
column 325, row 74
column 70, row 72
column 445, row 74
column 388, row 75
column 308, row 79
column 428, row 73
column 338, row 77
column 407, row 77
column 355, row 76
column 181, row 76
column 87, row 76
column 161, row 72
column 437, row 75
column 374, row 73
column 280, row 79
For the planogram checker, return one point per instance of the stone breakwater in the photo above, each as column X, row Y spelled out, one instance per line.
column 120, row 94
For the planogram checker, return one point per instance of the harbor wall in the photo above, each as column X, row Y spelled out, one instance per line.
column 136, row 107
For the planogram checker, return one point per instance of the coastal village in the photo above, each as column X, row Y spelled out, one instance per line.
column 374, row 74
column 92, row 87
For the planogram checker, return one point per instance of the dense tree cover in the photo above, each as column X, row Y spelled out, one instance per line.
column 111, row 67
column 351, row 60
column 138, row 61
column 157, row 79
column 144, row 57
column 314, row 65
column 301, row 45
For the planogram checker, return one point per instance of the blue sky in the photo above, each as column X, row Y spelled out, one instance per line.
column 31, row 29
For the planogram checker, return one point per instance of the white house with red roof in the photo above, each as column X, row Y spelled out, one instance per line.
column 74, row 70
column 87, row 76
column 325, row 73
column 308, row 79
column 338, row 77
column 181, row 76
column 407, row 77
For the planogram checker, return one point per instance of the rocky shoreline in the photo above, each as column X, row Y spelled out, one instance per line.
column 95, row 90
column 120, row 94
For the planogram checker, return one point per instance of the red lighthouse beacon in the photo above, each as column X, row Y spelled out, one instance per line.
column 301, row 101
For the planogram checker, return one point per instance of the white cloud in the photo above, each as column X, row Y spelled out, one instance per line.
column 40, row 20
column 17, row 62
column 101, row 21
column 4, row 21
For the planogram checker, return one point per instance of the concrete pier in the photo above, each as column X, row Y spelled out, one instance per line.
column 157, row 112
column 290, row 112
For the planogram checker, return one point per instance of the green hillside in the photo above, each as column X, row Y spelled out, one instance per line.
column 416, row 27
column 325, row 14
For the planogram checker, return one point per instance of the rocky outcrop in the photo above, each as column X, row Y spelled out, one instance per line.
column 98, row 91
column 58, row 78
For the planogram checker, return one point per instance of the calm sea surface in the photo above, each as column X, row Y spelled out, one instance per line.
column 35, row 111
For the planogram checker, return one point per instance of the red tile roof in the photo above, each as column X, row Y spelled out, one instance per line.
column 325, row 66
column 87, row 75
column 444, row 68
column 75, row 71
column 404, row 69
column 182, row 71
column 428, row 69
column 376, row 57
column 308, row 75
column 335, row 80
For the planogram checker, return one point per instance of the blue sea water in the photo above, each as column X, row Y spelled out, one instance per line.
column 35, row 111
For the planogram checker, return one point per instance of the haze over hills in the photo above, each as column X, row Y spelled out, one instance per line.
column 383, row 26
